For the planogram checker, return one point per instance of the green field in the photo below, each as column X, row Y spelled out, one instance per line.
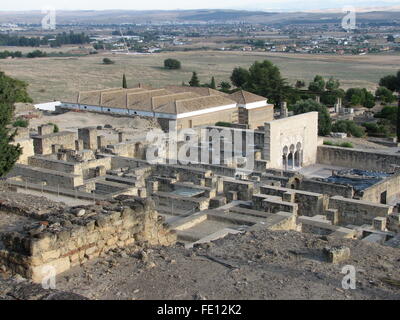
column 61, row 78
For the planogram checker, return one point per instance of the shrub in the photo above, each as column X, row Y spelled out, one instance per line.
column 56, row 128
column 343, row 144
column 108, row 61
column 22, row 123
column 223, row 124
column 346, row 145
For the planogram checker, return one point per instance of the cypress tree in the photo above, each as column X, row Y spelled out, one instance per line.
column 124, row 83
column 194, row 82
column 212, row 84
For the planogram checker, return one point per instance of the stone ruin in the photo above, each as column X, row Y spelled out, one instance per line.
column 66, row 237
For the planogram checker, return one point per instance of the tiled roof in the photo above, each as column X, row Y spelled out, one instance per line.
column 245, row 97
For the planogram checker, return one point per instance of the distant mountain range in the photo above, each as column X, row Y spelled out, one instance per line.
column 378, row 15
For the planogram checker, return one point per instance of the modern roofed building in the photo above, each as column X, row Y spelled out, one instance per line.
column 188, row 106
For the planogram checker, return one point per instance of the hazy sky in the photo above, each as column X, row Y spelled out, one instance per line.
column 189, row 4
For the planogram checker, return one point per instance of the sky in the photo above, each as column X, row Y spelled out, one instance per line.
column 26, row 5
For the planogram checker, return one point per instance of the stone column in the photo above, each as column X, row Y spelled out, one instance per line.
column 293, row 159
column 284, row 110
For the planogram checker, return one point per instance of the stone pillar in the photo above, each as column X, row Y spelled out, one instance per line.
column 285, row 161
column 293, row 160
column 318, row 99
column 284, row 110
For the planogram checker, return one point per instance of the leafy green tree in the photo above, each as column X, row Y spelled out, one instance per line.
column 391, row 82
column 124, row 83
column 332, row 84
column 300, row 84
column 172, row 64
column 329, row 98
column 377, row 130
column 349, row 127
column 318, row 85
column 108, row 61
column 265, row 80
column 398, row 122
column 194, row 81
column 385, row 95
column 360, row 97
column 9, row 153
column 239, row 77
column 389, row 113
column 324, row 119
column 225, row 86
column 11, row 91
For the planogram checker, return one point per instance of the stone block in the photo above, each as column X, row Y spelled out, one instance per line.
column 379, row 223
column 38, row 273
column 337, row 255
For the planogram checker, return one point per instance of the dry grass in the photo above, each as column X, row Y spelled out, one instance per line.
column 62, row 78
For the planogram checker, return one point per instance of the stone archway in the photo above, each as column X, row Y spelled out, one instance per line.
column 291, row 164
column 298, row 156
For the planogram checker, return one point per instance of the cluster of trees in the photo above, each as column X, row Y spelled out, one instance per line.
column 69, row 38
column 385, row 95
column 349, row 127
column 324, row 119
column 172, row 64
column 36, row 54
column 14, row 54
column 263, row 78
column 57, row 41
column 392, row 82
column 11, row 91
column 224, row 86
column 359, row 97
column 392, row 114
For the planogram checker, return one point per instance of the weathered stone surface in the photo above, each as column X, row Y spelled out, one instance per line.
column 337, row 255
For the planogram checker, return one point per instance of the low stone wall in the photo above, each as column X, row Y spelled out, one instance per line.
column 244, row 189
column 66, row 239
column 327, row 188
column 358, row 159
column 179, row 202
column 50, row 177
column 358, row 212
column 310, row 204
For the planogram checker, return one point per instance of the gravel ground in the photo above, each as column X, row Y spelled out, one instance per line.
column 257, row 265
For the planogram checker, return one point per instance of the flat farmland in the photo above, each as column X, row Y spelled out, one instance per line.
column 60, row 78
